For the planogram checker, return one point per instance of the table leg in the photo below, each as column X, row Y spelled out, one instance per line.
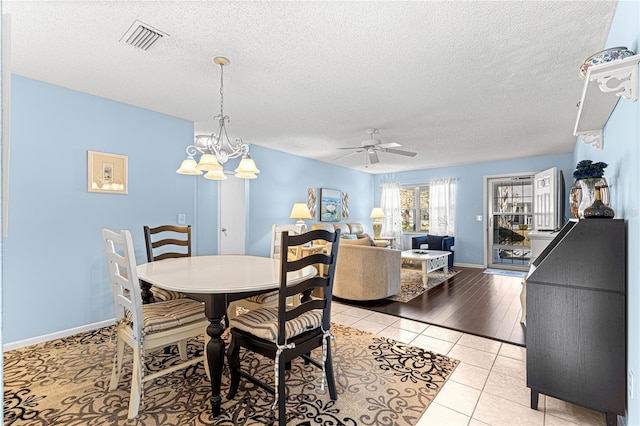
column 425, row 268
column 215, row 309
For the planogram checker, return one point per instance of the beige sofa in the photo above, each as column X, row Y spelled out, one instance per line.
column 363, row 272
column 366, row 272
column 356, row 229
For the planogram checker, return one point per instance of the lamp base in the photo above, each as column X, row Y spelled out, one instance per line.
column 377, row 227
column 302, row 225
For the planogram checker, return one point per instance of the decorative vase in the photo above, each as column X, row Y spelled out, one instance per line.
column 598, row 210
column 582, row 194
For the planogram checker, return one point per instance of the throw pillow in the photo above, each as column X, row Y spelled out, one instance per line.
column 358, row 242
column 349, row 236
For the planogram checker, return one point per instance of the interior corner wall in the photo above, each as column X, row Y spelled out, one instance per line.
column 54, row 272
column 621, row 151
column 469, row 201
column 284, row 180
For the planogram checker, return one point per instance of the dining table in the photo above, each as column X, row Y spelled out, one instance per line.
column 218, row 280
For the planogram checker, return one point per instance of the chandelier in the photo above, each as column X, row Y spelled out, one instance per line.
column 216, row 149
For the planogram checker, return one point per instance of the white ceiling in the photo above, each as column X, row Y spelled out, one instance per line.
column 458, row 82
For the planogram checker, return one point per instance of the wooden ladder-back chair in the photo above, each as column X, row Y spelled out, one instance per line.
column 270, row 298
column 284, row 333
column 145, row 327
column 164, row 242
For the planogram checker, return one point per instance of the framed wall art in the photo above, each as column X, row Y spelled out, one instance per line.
column 330, row 205
column 107, row 173
column 311, row 201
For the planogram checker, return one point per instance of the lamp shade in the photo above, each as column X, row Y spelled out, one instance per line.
column 208, row 162
column 188, row 167
column 247, row 165
column 215, row 175
column 300, row 211
column 377, row 213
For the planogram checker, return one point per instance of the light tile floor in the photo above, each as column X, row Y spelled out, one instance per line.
column 489, row 385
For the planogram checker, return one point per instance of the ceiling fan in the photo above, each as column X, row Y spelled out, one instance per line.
column 372, row 146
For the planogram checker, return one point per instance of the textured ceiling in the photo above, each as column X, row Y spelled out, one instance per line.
column 456, row 82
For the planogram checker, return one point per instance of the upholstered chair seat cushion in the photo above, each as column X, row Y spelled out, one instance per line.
column 165, row 295
column 264, row 297
column 263, row 323
column 172, row 313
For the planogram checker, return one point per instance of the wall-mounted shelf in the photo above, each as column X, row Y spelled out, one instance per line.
column 603, row 86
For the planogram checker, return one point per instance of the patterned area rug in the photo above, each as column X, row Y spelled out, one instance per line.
column 412, row 287
column 65, row 382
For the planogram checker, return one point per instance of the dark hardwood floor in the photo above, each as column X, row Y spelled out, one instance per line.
column 471, row 301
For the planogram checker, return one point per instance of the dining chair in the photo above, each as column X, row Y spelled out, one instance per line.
column 164, row 242
column 145, row 327
column 284, row 333
column 270, row 298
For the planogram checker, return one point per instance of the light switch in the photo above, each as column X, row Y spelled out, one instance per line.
column 182, row 219
column 479, row 218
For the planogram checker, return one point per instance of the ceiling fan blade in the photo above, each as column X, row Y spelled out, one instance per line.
column 346, row 155
column 399, row 151
column 390, row 145
column 351, row 147
column 373, row 156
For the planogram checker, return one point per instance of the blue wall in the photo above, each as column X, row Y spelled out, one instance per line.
column 54, row 275
column 469, row 194
column 621, row 152
column 284, row 179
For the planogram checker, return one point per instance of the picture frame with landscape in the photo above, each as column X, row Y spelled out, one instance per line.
column 330, row 205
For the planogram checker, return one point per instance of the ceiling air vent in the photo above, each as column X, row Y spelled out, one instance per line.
column 142, row 36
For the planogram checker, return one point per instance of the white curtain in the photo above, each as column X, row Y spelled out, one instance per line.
column 441, row 207
column 390, row 204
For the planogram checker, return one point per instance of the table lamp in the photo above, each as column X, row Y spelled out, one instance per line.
column 377, row 214
column 300, row 211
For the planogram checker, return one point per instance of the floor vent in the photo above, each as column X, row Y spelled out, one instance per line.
column 142, row 36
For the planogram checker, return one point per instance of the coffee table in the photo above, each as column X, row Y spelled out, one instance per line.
column 432, row 260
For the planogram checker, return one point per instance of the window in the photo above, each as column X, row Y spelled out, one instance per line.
column 414, row 202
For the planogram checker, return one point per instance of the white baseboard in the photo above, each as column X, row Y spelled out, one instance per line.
column 57, row 335
column 469, row 265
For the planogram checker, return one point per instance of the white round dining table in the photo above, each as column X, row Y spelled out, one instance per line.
column 218, row 280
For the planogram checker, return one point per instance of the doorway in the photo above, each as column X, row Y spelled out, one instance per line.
column 509, row 205
column 232, row 214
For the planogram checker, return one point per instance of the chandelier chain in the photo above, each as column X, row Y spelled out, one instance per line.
column 221, row 91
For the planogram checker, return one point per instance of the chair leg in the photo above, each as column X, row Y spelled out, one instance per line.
column 282, row 397
column 136, row 384
column 117, row 364
column 231, row 311
column 328, row 368
column 182, row 350
column 233, row 356
column 206, row 354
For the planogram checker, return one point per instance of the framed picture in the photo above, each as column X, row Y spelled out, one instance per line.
column 330, row 205
column 106, row 173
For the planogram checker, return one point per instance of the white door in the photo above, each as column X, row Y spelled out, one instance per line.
column 545, row 205
column 232, row 216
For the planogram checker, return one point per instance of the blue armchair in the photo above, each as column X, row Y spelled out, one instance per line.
column 435, row 242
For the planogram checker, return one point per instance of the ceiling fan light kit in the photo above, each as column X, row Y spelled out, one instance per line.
column 372, row 146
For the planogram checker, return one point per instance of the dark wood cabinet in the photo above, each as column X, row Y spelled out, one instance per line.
column 577, row 316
